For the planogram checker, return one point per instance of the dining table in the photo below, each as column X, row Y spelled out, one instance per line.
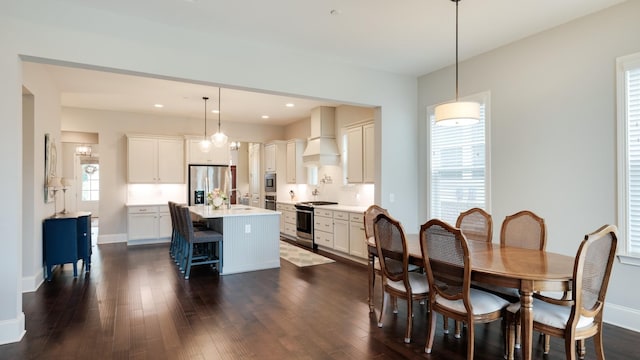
column 527, row 270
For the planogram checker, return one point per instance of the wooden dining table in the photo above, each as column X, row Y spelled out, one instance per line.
column 524, row 269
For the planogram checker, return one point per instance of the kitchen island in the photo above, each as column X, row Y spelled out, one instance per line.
column 251, row 236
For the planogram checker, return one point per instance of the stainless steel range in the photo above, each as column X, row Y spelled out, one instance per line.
column 304, row 221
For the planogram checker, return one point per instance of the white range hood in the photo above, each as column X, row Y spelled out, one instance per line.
column 321, row 146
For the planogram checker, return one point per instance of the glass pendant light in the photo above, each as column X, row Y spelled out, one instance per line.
column 219, row 139
column 205, row 144
column 458, row 112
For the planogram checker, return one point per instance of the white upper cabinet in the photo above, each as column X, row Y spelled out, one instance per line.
column 155, row 160
column 270, row 151
column 296, row 172
column 361, row 154
column 215, row 156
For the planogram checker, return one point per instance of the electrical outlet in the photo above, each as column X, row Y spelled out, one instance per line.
column 247, row 228
column 392, row 197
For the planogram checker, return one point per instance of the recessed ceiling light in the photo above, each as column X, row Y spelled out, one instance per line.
column 290, row 105
column 158, row 105
column 215, row 111
column 265, row 116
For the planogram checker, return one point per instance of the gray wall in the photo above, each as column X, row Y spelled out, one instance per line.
column 553, row 132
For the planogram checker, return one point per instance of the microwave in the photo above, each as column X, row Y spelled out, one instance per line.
column 270, row 182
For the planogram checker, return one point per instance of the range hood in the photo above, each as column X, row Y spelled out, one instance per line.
column 321, row 146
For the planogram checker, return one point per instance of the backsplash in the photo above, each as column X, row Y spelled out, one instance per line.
column 156, row 193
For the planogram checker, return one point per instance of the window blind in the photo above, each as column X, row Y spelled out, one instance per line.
column 632, row 80
column 457, row 165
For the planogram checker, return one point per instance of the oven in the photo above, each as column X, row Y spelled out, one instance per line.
column 304, row 222
column 270, row 184
column 304, row 225
column 270, row 202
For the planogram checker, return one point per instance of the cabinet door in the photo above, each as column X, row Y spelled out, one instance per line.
column 354, row 155
column 196, row 156
column 164, row 225
column 142, row 160
column 270, row 158
column 368, row 153
column 170, row 161
column 291, row 162
column 357, row 246
column 143, row 226
column 341, row 235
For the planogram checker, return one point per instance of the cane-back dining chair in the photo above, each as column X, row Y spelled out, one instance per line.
column 374, row 264
column 397, row 280
column 580, row 316
column 446, row 256
column 475, row 224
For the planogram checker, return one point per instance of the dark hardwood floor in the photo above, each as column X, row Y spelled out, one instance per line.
column 135, row 305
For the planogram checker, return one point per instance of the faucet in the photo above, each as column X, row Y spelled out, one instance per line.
column 229, row 197
column 315, row 193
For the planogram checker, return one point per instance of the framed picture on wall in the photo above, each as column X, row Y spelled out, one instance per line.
column 50, row 163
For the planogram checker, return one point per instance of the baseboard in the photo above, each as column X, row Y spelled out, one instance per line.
column 622, row 316
column 112, row 238
column 32, row 283
column 148, row 241
column 13, row 330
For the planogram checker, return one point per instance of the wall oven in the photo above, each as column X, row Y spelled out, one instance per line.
column 270, row 202
column 270, row 183
column 304, row 222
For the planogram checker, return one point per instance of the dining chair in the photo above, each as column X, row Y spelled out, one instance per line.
column 579, row 317
column 475, row 224
column 397, row 280
column 524, row 229
column 446, row 256
column 374, row 264
column 199, row 247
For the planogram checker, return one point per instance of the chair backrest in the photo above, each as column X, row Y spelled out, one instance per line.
column 392, row 249
column 524, row 229
column 591, row 272
column 476, row 224
column 446, row 256
column 184, row 222
column 370, row 217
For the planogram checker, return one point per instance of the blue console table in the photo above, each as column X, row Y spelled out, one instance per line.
column 67, row 239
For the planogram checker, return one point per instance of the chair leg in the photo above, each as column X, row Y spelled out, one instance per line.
column 431, row 330
column 570, row 347
column 187, row 270
column 407, row 336
column 382, row 305
column 458, row 327
column 582, row 350
column 372, row 283
column 597, row 342
column 547, row 343
column 445, row 324
column 470, row 339
column 511, row 338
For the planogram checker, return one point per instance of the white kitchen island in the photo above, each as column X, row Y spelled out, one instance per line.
column 251, row 236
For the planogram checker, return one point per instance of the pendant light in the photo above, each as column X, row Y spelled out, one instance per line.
column 205, row 144
column 219, row 139
column 458, row 112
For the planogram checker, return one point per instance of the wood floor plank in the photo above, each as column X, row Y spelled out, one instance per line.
column 135, row 304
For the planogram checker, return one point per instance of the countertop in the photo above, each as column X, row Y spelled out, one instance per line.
column 206, row 212
column 337, row 207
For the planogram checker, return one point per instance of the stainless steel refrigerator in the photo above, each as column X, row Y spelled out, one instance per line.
column 203, row 179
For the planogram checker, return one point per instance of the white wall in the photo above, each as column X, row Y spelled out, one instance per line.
column 553, row 128
column 58, row 31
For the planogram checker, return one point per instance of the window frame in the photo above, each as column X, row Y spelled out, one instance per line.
column 623, row 64
column 482, row 98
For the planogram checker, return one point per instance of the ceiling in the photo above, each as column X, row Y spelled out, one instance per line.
column 411, row 37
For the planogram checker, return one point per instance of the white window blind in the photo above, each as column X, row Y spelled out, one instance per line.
column 458, row 171
column 629, row 121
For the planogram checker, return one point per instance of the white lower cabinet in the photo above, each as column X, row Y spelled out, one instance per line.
column 148, row 224
column 341, row 231
column 357, row 245
column 323, row 227
column 287, row 219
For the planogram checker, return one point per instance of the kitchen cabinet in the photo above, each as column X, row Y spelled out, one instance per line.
column 148, row 224
column 296, row 172
column 361, row 154
column 215, row 156
column 67, row 239
column 357, row 245
column 287, row 220
column 323, row 227
column 341, row 231
column 270, row 157
column 155, row 160
column 275, row 157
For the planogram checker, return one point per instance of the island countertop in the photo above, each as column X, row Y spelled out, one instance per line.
column 207, row 212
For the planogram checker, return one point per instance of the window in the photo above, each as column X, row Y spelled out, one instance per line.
column 90, row 182
column 458, row 165
column 628, row 79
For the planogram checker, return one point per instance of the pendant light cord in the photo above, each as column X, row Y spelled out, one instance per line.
column 219, row 105
column 205, row 115
column 456, row 1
